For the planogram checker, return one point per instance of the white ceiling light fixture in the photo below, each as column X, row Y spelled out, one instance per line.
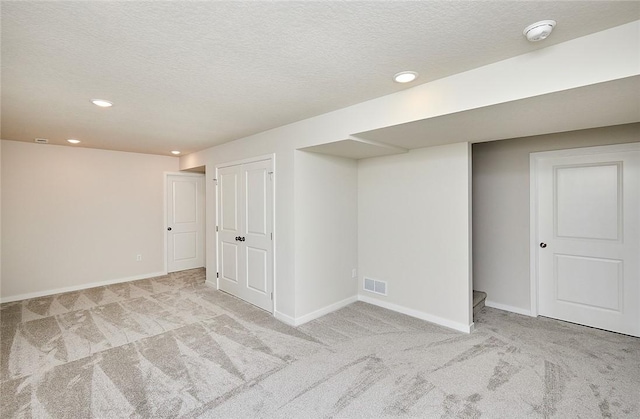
column 405, row 76
column 539, row 30
column 102, row 103
column 73, row 141
column 176, row 152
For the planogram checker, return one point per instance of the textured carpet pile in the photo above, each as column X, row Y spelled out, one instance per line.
column 173, row 347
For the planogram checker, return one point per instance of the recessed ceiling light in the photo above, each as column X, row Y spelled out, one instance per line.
column 102, row 103
column 539, row 30
column 176, row 152
column 73, row 141
column 405, row 76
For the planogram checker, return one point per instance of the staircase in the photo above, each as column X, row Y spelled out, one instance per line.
column 478, row 301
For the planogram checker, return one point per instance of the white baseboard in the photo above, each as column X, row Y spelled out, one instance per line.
column 506, row 307
column 211, row 284
column 297, row 321
column 461, row 327
column 325, row 310
column 285, row 318
column 78, row 287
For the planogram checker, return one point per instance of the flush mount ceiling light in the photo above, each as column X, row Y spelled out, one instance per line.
column 73, row 141
column 176, row 152
column 405, row 76
column 102, row 103
column 539, row 30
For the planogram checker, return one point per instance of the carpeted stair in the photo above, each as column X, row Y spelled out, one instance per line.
column 478, row 301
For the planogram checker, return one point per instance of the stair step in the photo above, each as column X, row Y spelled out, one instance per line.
column 478, row 300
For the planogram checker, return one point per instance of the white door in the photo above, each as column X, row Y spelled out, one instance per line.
column 588, row 241
column 185, row 222
column 245, row 240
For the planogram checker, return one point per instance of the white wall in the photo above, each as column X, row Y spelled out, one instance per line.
column 1, row 219
column 501, row 208
column 414, row 232
column 596, row 58
column 326, row 230
column 76, row 216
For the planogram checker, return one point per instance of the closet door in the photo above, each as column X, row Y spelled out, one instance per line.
column 229, row 229
column 257, row 243
column 245, row 234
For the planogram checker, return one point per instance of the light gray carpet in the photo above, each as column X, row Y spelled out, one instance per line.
column 172, row 347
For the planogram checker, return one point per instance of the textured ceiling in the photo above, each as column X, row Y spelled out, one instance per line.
column 190, row 75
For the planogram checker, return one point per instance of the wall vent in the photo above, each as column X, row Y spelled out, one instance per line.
column 375, row 286
column 41, row 141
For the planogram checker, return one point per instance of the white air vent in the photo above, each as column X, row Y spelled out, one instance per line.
column 369, row 284
column 375, row 286
column 41, row 141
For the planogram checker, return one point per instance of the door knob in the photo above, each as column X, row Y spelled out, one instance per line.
column 543, row 245
column 168, row 228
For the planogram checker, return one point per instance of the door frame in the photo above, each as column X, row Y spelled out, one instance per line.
column 165, row 213
column 534, row 159
column 263, row 157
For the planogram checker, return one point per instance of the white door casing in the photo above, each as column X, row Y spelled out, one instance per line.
column 185, row 221
column 245, row 227
column 586, row 236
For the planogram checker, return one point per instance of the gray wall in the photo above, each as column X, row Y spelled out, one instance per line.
column 501, row 207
